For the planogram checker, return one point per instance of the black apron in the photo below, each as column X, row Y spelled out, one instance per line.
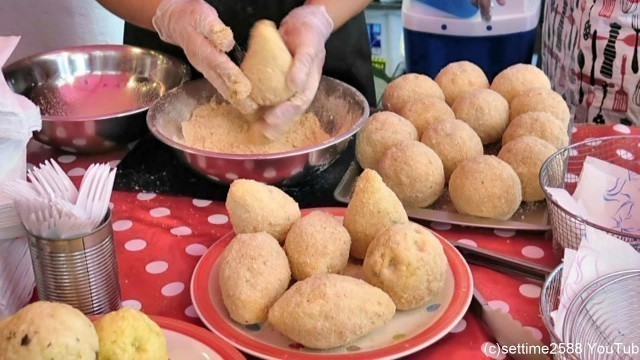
column 348, row 53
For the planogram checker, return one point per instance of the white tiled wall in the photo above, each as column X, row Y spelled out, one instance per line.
column 52, row 24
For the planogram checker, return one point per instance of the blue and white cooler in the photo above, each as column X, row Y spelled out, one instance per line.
column 438, row 32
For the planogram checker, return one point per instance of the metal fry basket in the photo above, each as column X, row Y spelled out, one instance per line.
column 562, row 170
column 549, row 302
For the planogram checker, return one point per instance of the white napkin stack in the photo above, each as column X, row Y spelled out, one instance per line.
column 16, row 276
column 606, row 195
column 19, row 117
column 598, row 255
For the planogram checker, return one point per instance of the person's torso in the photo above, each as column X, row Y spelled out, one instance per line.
column 348, row 53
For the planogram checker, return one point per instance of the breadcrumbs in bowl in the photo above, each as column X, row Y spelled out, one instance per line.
column 216, row 147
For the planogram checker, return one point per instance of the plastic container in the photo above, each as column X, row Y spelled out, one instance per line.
column 435, row 35
column 386, row 41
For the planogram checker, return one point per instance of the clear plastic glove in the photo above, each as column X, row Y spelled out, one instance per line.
column 485, row 7
column 195, row 26
column 305, row 31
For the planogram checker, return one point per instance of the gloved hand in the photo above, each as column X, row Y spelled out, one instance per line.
column 195, row 26
column 305, row 31
column 485, row 7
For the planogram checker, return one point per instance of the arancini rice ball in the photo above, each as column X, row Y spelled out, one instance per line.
column 526, row 155
column 254, row 272
column 316, row 244
column 414, row 172
column 383, row 130
column 372, row 208
column 130, row 334
column 330, row 310
column 454, row 141
column 539, row 124
column 46, row 330
column 486, row 111
column 407, row 262
column 485, row 186
column 460, row 77
column 424, row 112
column 254, row 207
column 517, row 79
column 540, row 99
column 409, row 87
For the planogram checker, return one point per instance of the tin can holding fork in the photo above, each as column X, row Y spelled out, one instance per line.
column 81, row 271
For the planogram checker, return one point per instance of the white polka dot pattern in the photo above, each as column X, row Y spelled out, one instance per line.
column 122, row 225
column 145, row 196
column 504, row 233
column 160, row 212
column 499, row 305
column 135, row 245
column 532, row 252
column 460, row 326
column 172, row 289
column 468, row 242
column 623, row 129
column 195, row 249
column 157, row 267
column 181, row 231
column 625, row 154
column 76, row 172
column 132, row 304
column 201, row 203
column 66, row 159
column 530, row 291
column 190, row 311
column 440, row 225
column 218, row 219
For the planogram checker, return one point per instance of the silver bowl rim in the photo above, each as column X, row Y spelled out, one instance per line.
column 277, row 155
column 97, row 47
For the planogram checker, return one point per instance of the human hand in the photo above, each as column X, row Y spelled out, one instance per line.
column 485, row 7
column 305, row 31
column 195, row 26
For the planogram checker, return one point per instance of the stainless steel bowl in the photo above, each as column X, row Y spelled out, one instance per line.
column 341, row 109
column 94, row 98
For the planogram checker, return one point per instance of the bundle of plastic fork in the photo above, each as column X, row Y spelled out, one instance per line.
column 50, row 206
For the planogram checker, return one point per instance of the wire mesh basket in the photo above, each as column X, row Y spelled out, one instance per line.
column 602, row 320
column 562, row 170
column 549, row 302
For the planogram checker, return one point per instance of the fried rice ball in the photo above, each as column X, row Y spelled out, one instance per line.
column 254, row 272
column 409, row 87
column 316, row 244
column 460, row 77
column 519, row 78
column 454, row 141
column 486, row 111
column 414, row 172
column 526, row 155
column 372, row 208
column 128, row 334
column 407, row 262
column 426, row 111
column 539, row 124
column 255, row 207
column 540, row 99
column 48, row 331
column 330, row 310
column 383, row 130
column 485, row 186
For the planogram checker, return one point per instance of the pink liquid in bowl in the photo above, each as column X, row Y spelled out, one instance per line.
column 96, row 95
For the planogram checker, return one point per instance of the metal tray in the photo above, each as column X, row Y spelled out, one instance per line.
column 531, row 217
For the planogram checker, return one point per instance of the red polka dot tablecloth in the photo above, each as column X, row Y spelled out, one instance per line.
column 160, row 239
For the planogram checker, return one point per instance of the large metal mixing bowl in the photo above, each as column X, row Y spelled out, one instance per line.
column 94, row 98
column 341, row 109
